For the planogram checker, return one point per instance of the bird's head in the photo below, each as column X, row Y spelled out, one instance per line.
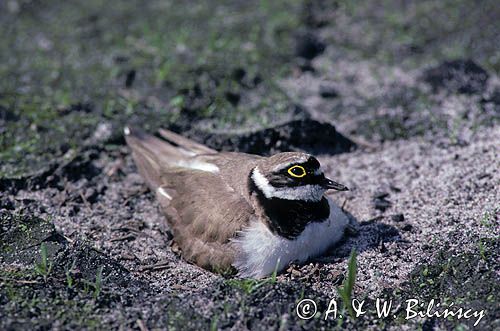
column 292, row 176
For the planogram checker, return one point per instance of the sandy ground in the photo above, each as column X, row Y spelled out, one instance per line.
column 442, row 192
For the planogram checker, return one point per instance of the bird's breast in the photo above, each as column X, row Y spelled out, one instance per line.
column 262, row 251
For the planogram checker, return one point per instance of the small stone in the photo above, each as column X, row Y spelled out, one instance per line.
column 493, row 98
column 121, row 59
column 233, row 98
column 457, row 76
column 73, row 210
column 129, row 79
column 238, row 74
column 328, row 91
column 308, row 46
column 382, row 204
column 7, row 204
column 380, row 195
column 102, row 131
column 305, row 65
column 398, row 218
column 85, row 107
column 257, row 80
column 91, row 195
column 395, row 189
column 407, row 227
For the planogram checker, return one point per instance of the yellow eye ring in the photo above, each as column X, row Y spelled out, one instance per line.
column 291, row 173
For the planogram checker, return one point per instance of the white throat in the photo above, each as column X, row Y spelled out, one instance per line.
column 304, row 192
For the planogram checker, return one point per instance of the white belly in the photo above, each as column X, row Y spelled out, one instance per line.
column 263, row 251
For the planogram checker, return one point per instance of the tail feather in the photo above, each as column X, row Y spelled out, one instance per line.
column 150, row 154
column 185, row 143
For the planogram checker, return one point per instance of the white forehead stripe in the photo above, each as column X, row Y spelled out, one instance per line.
column 304, row 192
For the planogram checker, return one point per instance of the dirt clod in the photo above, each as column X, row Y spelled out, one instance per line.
column 462, row 76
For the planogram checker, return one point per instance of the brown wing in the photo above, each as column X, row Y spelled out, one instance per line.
column 204, row 214
column 204, row 209
column 151, row 155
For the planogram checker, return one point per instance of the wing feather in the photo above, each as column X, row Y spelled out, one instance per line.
column 205, row 207
column 204, row 215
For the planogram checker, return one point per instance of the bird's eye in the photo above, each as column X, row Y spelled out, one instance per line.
column 297, row 171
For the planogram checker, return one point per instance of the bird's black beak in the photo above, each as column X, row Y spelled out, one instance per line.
column 330, row 184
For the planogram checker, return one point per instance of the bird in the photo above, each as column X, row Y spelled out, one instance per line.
column 239, row 213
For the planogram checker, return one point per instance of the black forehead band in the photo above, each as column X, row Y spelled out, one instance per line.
column 311, row 163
